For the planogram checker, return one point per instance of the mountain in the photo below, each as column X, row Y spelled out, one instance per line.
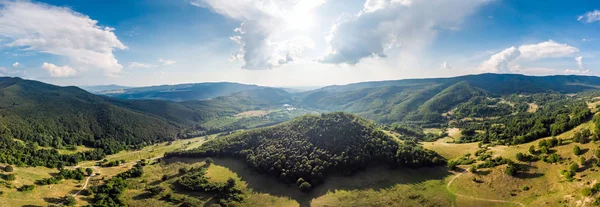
column 181, row 92
column 56, row 116
column 426, row 100
column 307, row 148
column 100, row 88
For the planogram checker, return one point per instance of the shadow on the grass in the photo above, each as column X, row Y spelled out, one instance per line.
column 375, row 178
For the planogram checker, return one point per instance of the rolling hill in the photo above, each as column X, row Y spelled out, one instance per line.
column 54, row 116
column 426, row 100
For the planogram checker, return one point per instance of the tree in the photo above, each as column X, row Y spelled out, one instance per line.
column 89, row 171
column 69, row 200
column 574, row 167
column 582, row 160
column 305, row 186
column 9, row 168
column 532, row 150
column 597, row 153
column 512, row 169
column 576, row 150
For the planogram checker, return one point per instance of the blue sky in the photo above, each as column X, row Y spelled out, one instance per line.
column 293, row 42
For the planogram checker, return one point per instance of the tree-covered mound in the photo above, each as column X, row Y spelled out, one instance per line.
column 306, row 149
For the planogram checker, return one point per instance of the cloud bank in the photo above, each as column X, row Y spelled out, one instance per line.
column 387, row 24
column 505, row 61
column 267, row 36
column 60, row 31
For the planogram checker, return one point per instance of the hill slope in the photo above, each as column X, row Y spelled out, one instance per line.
column 425, row 100
column 181, row 92
column 307, row 148
column 58, row 116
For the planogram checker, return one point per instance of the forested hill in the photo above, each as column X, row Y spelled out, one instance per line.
column 181, row 92
column 58, row 116
column 426, row 100
column 307, row 148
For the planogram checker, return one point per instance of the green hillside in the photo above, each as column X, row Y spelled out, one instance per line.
column 308, row 148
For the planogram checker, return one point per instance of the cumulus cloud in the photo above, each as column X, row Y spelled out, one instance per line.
column 579, row 60
column 58, row 71
column 446, row 65
column 16, row 64
column 385, row 24
column 590, row 17
column 60, row 31
column 500, row 62
column 268, row 35
column 166, row 62
column 505, row 61
column 548, row 49
column 135, row 65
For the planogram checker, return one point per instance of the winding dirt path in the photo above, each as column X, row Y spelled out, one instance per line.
column 476, row 198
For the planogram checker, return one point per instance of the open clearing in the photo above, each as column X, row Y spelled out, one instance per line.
column 43, row 195
column 252, row 113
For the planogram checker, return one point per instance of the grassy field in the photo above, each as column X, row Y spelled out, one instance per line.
column 136, row 196
column 44, row 195
column 377, row 186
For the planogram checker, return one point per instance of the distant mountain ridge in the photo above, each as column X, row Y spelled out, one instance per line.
column 181, row 92
column 424, row 100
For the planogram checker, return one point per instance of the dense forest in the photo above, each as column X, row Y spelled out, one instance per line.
column 35, row 116
column 308, row 148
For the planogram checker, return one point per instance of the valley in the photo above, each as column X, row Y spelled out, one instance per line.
column 472, row 146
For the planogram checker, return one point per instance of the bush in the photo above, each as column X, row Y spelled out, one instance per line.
column 574, row 167
column 586, row 192
column 9, row 168
column 69, row 200
column 154, row 191
column 305, row 186
column 526, row 188
column 26, row 188
column 576, row 150
column 9, row 177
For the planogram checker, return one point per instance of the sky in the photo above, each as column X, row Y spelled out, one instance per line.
column 293, row 42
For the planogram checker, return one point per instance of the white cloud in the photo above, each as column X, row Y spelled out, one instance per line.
column 590, row 17
column 60, row 31
column 446, row 65
column 548, row 49
column 166, row 62
column 386, row 24
column 134, row 65
column 269, row 35
column 58, row 71
column 577, row 72
column 505, row 61
column 579, row 60
column 500, row 62
column 16, row 64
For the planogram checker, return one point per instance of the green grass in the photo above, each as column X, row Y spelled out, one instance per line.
column 153, row 174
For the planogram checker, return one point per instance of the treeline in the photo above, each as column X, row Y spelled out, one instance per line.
column 64, row 174
column 312, row 146
column 415, row 132
column 22, row 154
